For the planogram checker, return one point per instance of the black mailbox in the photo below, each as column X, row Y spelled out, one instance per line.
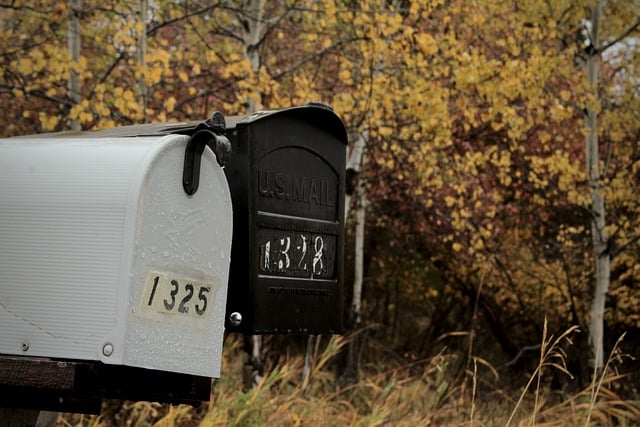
column 287, row 182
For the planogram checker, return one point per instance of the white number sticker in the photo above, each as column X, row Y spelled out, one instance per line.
column 166, row 294
column 295, row 254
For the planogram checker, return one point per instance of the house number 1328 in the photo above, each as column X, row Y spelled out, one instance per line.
column 294, row 254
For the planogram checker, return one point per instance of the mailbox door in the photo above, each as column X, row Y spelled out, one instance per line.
column 287, row 179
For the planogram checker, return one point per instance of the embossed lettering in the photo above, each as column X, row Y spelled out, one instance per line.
column 297, row 188
column 325, row 193
column 280, row 186
column 300, row 192
column 263, row 182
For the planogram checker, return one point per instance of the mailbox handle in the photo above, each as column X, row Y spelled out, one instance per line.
column 211, row 136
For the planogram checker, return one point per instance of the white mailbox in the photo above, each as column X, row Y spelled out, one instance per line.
column 104, row 256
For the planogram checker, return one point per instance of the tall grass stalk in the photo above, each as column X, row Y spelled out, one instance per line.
column 597, row 379
column 551, row 354
column 473, row 391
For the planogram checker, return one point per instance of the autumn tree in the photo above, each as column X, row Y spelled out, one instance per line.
column 616, row 26
column 474, row 122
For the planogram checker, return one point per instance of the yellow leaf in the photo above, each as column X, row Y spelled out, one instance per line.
column 47, row 122
column 449, row 201
column 426, row 43
column 25, row 66
column 345, row 75
column 170, row 104
column 385, row 130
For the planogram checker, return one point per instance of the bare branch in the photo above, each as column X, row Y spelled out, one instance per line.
column 151, row 31
column 12, row 6
column 315, row 56
column 106, row 74
column 630, row 30
column 618, row 251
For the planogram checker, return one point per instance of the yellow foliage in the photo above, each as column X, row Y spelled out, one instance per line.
column 170, row 104
column 48, row 123
column 449, row 201
column 426, row 43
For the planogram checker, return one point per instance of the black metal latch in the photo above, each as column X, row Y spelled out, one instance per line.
column 210, row 133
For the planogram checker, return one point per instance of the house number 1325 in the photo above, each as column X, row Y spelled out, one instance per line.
column 169, row 295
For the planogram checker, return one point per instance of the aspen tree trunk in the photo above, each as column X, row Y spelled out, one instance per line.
column 356, row 164
column 142, row 55
column 358, row 275
column 361, row 206
column 598, row 225
column 354, row 161
column 75, row 7
column 253, row 25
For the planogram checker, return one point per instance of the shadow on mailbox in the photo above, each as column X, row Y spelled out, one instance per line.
column 287, row 182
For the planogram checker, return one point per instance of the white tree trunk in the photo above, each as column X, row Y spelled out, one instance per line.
column 73, row 41
column 254, row 29
column 354, row 163
column 361, row 206
column 253, row 24
column 142, row 55
column 359, row 252
column 598, row 225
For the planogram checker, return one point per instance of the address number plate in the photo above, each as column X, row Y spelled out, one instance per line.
column 167, row 294
column 296, row 255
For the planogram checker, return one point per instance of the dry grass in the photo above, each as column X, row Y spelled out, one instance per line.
column 424, row 395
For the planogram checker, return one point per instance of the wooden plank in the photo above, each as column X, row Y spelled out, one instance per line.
column 10, row 417
column 79, row 386
column 37, row 373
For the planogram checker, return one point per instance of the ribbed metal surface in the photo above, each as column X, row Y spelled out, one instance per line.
column 62, row 210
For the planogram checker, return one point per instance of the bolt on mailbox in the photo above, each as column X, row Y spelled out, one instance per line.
column 287, row 180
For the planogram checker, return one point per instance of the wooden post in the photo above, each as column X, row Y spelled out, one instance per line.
column 13, row 417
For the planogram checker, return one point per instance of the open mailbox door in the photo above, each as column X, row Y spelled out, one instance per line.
column 287, row 179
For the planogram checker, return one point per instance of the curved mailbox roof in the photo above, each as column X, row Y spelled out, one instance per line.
column 317, row 114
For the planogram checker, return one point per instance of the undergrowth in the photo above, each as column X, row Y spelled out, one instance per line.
column 425, row 393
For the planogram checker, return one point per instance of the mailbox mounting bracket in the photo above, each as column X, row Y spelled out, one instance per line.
column 210, row 133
